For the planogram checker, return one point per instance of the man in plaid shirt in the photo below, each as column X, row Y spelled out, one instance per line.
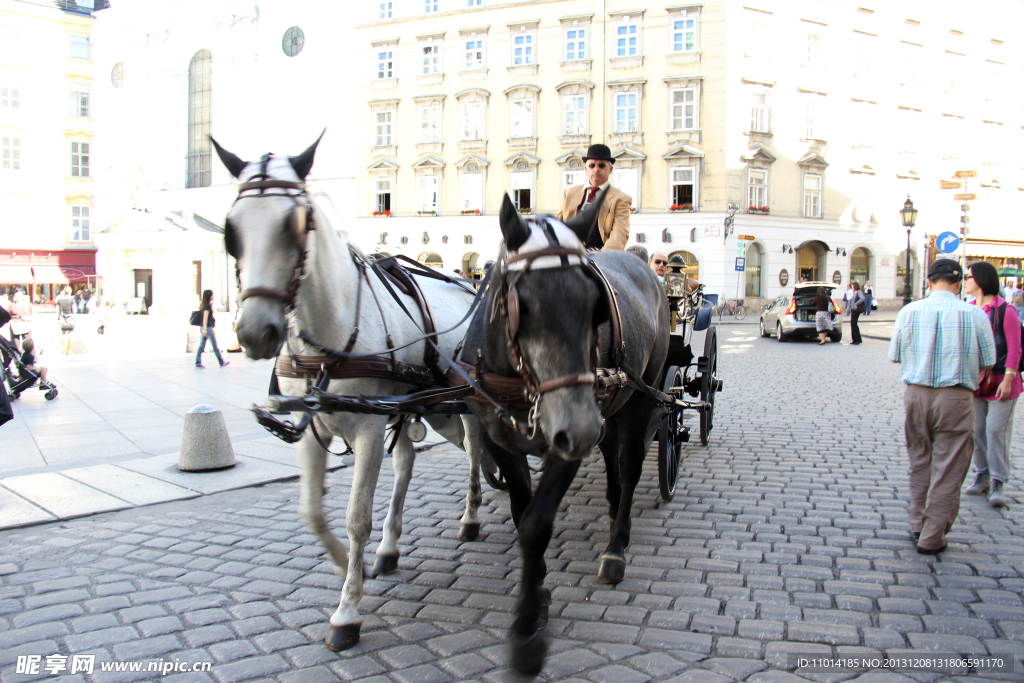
column 942, row 344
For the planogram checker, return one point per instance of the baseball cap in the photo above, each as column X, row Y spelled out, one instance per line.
column 947, row 267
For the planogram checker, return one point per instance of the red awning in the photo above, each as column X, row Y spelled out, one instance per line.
column 62, row 275
column 15, row 275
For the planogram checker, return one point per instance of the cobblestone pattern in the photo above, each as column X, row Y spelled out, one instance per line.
column 788, row 535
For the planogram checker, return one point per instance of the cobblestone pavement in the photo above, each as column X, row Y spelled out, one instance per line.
column 788, row 535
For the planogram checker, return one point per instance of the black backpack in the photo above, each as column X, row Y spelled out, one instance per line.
column 999, row 333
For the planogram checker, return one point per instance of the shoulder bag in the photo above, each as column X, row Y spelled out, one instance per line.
column 196, row 318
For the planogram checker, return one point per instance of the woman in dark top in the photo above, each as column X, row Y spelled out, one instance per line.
column 857, row 306
column 822, row 316
column 207, row 330
column 66, row 318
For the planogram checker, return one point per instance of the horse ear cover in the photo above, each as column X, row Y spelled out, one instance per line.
column 303, row 163
column 583, row 222
column 513, row 228
column 230, row 161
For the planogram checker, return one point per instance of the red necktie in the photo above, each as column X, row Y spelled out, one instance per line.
column 590, row 197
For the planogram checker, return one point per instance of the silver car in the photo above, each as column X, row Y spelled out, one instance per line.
column 789, row 316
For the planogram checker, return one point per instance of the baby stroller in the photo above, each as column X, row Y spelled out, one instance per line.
column 15, row 383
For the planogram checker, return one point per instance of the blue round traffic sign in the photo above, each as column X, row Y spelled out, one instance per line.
column 947, row 242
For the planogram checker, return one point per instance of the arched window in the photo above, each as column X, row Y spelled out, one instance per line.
column 200, row 106
column 755, row 256
column 860, row 266
column 431, row 259
column 692, row 268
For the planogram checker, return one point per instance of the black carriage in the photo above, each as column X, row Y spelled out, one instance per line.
column 686, row 375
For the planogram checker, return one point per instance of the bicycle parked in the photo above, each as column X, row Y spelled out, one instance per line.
column 732, row 307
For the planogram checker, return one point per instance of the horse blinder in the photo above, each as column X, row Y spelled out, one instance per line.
column 231, row 242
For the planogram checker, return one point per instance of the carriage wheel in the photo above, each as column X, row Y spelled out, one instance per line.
column 669, row 449
column 496, row 480
column 709, row 385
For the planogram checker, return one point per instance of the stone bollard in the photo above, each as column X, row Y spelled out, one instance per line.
column 205, row 444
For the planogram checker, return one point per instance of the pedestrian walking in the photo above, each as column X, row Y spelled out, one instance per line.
column 856, row 308
column 21, row 319
column 846, row 298
column 869, row 296
column 1018, row 303
column 942, row 344
column 66, row 319
column 822, row 316
column 206, row 329
column 993, row 412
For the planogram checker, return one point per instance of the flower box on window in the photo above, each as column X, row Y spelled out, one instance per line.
column 681, row 207
column 470, row 212
column 757, row 209
column 525, row 209
column 385, row 213
column 426, row 213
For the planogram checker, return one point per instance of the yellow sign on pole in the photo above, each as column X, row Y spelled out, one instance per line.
column 965, row 196
column 948, row 185
column 746, row 238
column 965, row 174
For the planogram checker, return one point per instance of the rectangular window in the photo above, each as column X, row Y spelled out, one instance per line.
column 382, row 195
column 430, row 124
column 626, row 112
column 813, row 49
column 430, row 6
column 864, row 58
column 812, row 195
column 474, row 3
column 431, row 59
column 385, row 64
column 473, row 121
column 522, row 190
column 575, row 44
column 12, row 154
column 522, row 49
column 474, row 55
column 683, row 195
column 522, row 118
column 79, row 159
column 385, row 122
column 427, row 197
column 628, row 180
column 80, row 224
column 759, row 113
column 627, row 40
column 684, row 109
column 471, row 192
column 387, row 10
column 684, row 34
column 80, row 99
column 570, row 178
column 811, row 131
column 10, row 97
column 866, row 124
column 757, row 189
column 574, row 120
column 80, row 47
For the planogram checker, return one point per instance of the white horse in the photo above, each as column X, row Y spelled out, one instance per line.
column 289, row 257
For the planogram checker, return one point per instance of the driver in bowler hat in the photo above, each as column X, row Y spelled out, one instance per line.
column 612, row 230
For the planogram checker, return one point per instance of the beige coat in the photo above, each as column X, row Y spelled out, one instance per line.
column 614, row 219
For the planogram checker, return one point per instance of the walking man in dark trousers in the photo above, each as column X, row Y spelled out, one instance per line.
column 942, row 345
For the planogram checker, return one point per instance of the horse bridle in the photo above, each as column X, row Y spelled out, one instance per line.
column 300, row 223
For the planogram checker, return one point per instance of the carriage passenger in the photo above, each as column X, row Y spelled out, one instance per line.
column 612, row 229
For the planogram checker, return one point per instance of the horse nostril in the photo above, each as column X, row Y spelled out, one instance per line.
column 562, row 443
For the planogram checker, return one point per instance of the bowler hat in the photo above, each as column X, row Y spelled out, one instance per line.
column 599, row 152
column 947, row 267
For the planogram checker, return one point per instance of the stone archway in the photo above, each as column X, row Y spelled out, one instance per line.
column 860, row 266
column 431, row 259
column 692, row 268
column 811, row 261
column 471, row 267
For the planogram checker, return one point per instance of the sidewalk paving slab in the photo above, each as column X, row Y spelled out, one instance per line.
column 61, row 496
column 135, row 488
column 247, row 472
column 15, row 511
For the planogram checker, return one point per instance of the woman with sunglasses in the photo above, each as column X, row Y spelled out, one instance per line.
column 993, row 413
column 612, row 230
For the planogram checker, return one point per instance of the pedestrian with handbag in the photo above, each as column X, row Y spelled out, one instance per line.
column 994, row 403
column 869, row 296
column 857, row 302
column 66, row 319
column 942, row 345
column 206, row 329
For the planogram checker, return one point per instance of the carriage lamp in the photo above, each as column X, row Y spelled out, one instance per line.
column 840, row 251
column 909, row 215
column 787, row 248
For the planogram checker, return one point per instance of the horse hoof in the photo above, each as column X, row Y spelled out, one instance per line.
column 527, row 653
column 385, row 564
column 613, row 569
column 342, row 637
column 469, row 532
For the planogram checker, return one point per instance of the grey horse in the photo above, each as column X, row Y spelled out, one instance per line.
column 557, row 308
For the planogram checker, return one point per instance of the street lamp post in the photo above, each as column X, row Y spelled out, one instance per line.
column 909, row 215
